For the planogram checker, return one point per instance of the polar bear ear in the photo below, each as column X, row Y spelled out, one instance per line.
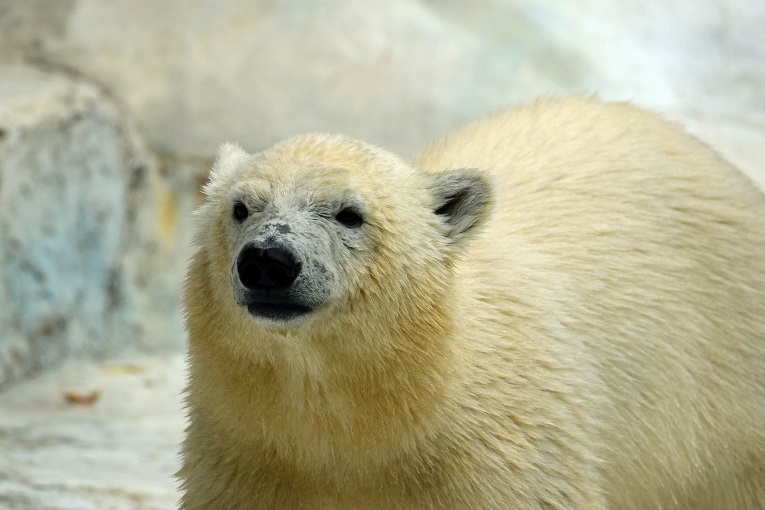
column 229, row 154
column 229, row 150
column 463, row 199
column 227, row 161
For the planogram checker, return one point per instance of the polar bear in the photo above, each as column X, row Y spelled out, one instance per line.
column 559, row 306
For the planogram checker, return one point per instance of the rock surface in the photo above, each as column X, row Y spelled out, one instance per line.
column 90, row 253
column 394, row 72
column 93, row 436
column 62, row 215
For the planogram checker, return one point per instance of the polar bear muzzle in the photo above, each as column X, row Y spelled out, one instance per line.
column 267, row 281
column 266, row 269
column 275, row 281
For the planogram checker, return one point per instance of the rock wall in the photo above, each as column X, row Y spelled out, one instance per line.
column 394, row 72
column 77, row 224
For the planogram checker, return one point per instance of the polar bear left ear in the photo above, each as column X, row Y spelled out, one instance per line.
column 464, row 199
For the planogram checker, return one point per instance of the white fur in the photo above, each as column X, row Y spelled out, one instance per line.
column 599, row 343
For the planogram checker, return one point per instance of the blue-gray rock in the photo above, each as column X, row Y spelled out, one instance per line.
column 65, row 166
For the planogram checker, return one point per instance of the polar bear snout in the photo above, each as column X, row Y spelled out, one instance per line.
column 275, row 281
column 267, row 268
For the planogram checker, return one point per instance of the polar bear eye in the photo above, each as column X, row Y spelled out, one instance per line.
column 349, row 218
column 240, row 211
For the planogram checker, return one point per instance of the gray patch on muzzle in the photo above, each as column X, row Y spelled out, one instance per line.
column 281, row 270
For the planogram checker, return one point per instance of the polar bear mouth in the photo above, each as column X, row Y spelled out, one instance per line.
column 282, row 312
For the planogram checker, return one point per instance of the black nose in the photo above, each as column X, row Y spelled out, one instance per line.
column 267, row 268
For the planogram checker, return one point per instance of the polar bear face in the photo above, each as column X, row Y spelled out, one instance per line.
column 320, row 225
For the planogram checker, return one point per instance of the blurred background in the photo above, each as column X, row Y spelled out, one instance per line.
column 110, row 113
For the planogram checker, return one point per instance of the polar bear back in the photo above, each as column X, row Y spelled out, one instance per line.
column 653, row 249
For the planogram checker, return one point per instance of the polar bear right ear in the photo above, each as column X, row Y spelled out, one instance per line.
column 229, row 151
column 463, row 199
column 230, row 155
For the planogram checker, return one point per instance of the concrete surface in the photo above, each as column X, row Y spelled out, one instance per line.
column 117, row 452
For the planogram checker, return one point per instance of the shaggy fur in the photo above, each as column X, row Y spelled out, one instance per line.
column 579, row 324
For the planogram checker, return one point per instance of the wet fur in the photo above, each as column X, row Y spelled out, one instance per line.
column 586, row 331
